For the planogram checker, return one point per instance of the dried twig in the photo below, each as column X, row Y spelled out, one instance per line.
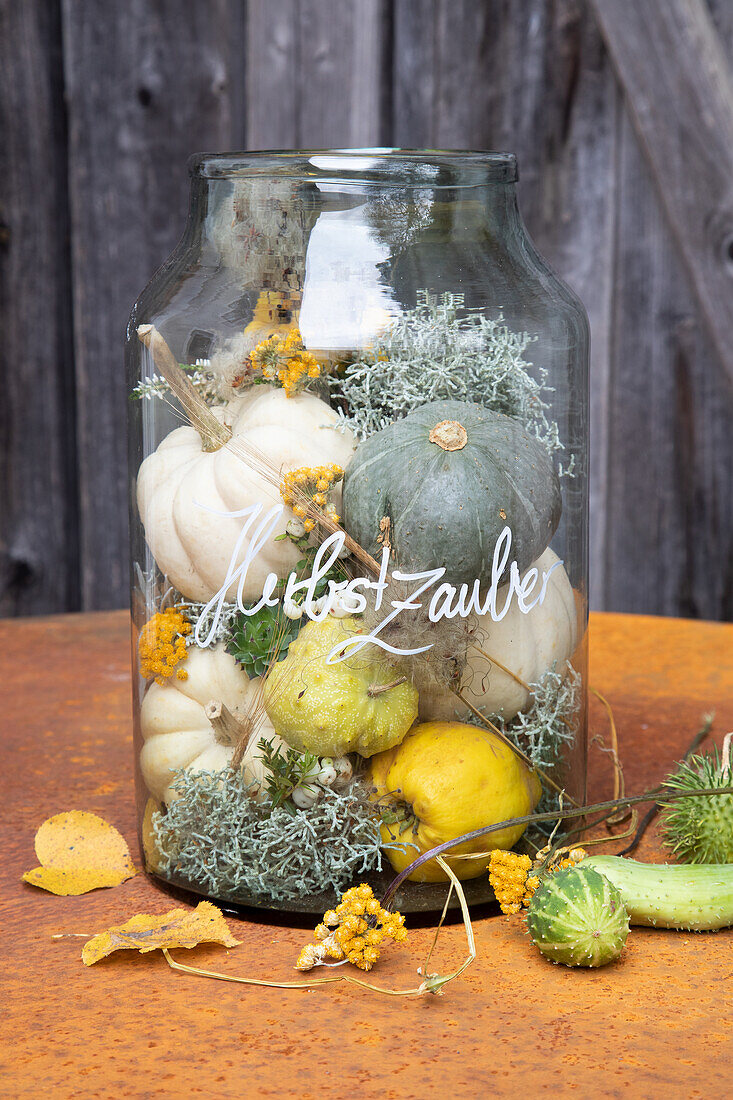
column 431, row 983
column 654, row 810
column 531, row 819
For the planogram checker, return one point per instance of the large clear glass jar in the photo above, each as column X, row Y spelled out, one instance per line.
column 358, row 455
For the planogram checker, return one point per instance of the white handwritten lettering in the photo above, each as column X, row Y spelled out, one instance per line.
column 447, row 601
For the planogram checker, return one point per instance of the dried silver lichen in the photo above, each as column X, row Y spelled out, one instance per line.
column 442, row 351
column 216, row 837
column 546, row 730
column 202, row 621
column 551, row 722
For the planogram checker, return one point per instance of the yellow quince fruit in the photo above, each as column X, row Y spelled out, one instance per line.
column 446, row 779
column 360, row 704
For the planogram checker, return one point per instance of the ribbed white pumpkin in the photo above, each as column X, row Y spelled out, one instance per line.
column 527, row 644
column 181, row 488
column 176, row 731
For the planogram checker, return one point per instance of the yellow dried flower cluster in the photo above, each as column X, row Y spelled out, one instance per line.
column 353, row 931
column 315, row 483
column 508, row 873
column 283, row 358
column 510, row 878
column 162, row 645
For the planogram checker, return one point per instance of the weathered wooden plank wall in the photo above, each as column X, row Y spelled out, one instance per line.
column 101, row 105
column 39, row 530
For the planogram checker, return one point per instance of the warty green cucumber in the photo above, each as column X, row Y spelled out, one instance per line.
column 692, row 897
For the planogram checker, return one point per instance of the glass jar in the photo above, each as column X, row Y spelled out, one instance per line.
column 358, row 455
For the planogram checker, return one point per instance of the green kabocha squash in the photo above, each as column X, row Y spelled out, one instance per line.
column 450, row 477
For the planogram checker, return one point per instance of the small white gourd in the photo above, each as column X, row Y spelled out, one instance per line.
column 182, row 489
column 528, row 644
column 177, row 733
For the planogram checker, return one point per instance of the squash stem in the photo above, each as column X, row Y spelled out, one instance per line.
column 213, row 433
column 228, row 730
column 378, row 689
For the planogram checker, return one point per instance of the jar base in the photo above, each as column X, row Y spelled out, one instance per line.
column 412, row 897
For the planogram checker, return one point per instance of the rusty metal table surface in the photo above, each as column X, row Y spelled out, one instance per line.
column 657, row 1024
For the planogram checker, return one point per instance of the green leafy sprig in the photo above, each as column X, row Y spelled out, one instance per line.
column 285, row 771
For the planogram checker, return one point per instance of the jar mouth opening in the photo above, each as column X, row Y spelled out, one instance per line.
column 386, row 166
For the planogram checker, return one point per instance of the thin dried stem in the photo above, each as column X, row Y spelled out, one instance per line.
column 515, row 748
column 494, row 661
column 432, row 983
column 531, row 819
column 619, row 786
column 437, row 981
column 707, row 725
column 438, row 927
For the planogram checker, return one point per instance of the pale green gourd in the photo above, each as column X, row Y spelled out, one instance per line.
column 694, row 897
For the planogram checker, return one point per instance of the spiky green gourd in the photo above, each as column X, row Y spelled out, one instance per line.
column 577, row 917
column 700, row 830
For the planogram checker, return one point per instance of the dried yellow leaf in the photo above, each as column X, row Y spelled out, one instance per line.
column 178, row 928
column 71, row 883
column 79, row 851
column 79, row 840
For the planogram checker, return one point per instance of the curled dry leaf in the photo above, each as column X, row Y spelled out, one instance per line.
column 65, row 883
column 145, row 932
column 78, row 852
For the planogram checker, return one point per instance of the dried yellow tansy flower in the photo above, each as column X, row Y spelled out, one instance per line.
column 283, row 358
column 162, row 645
column 310, row 485
column 510, row 878
column 354, row 931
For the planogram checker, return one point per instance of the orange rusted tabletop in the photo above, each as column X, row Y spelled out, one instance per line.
column 656, row 1024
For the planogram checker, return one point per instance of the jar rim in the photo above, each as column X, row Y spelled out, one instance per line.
column 386, row 166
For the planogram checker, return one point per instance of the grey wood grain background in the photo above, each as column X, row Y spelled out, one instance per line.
column 619, row 113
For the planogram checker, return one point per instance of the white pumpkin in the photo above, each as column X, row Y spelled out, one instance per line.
column 527, row 644
column 182, row 489
column 177, row 733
